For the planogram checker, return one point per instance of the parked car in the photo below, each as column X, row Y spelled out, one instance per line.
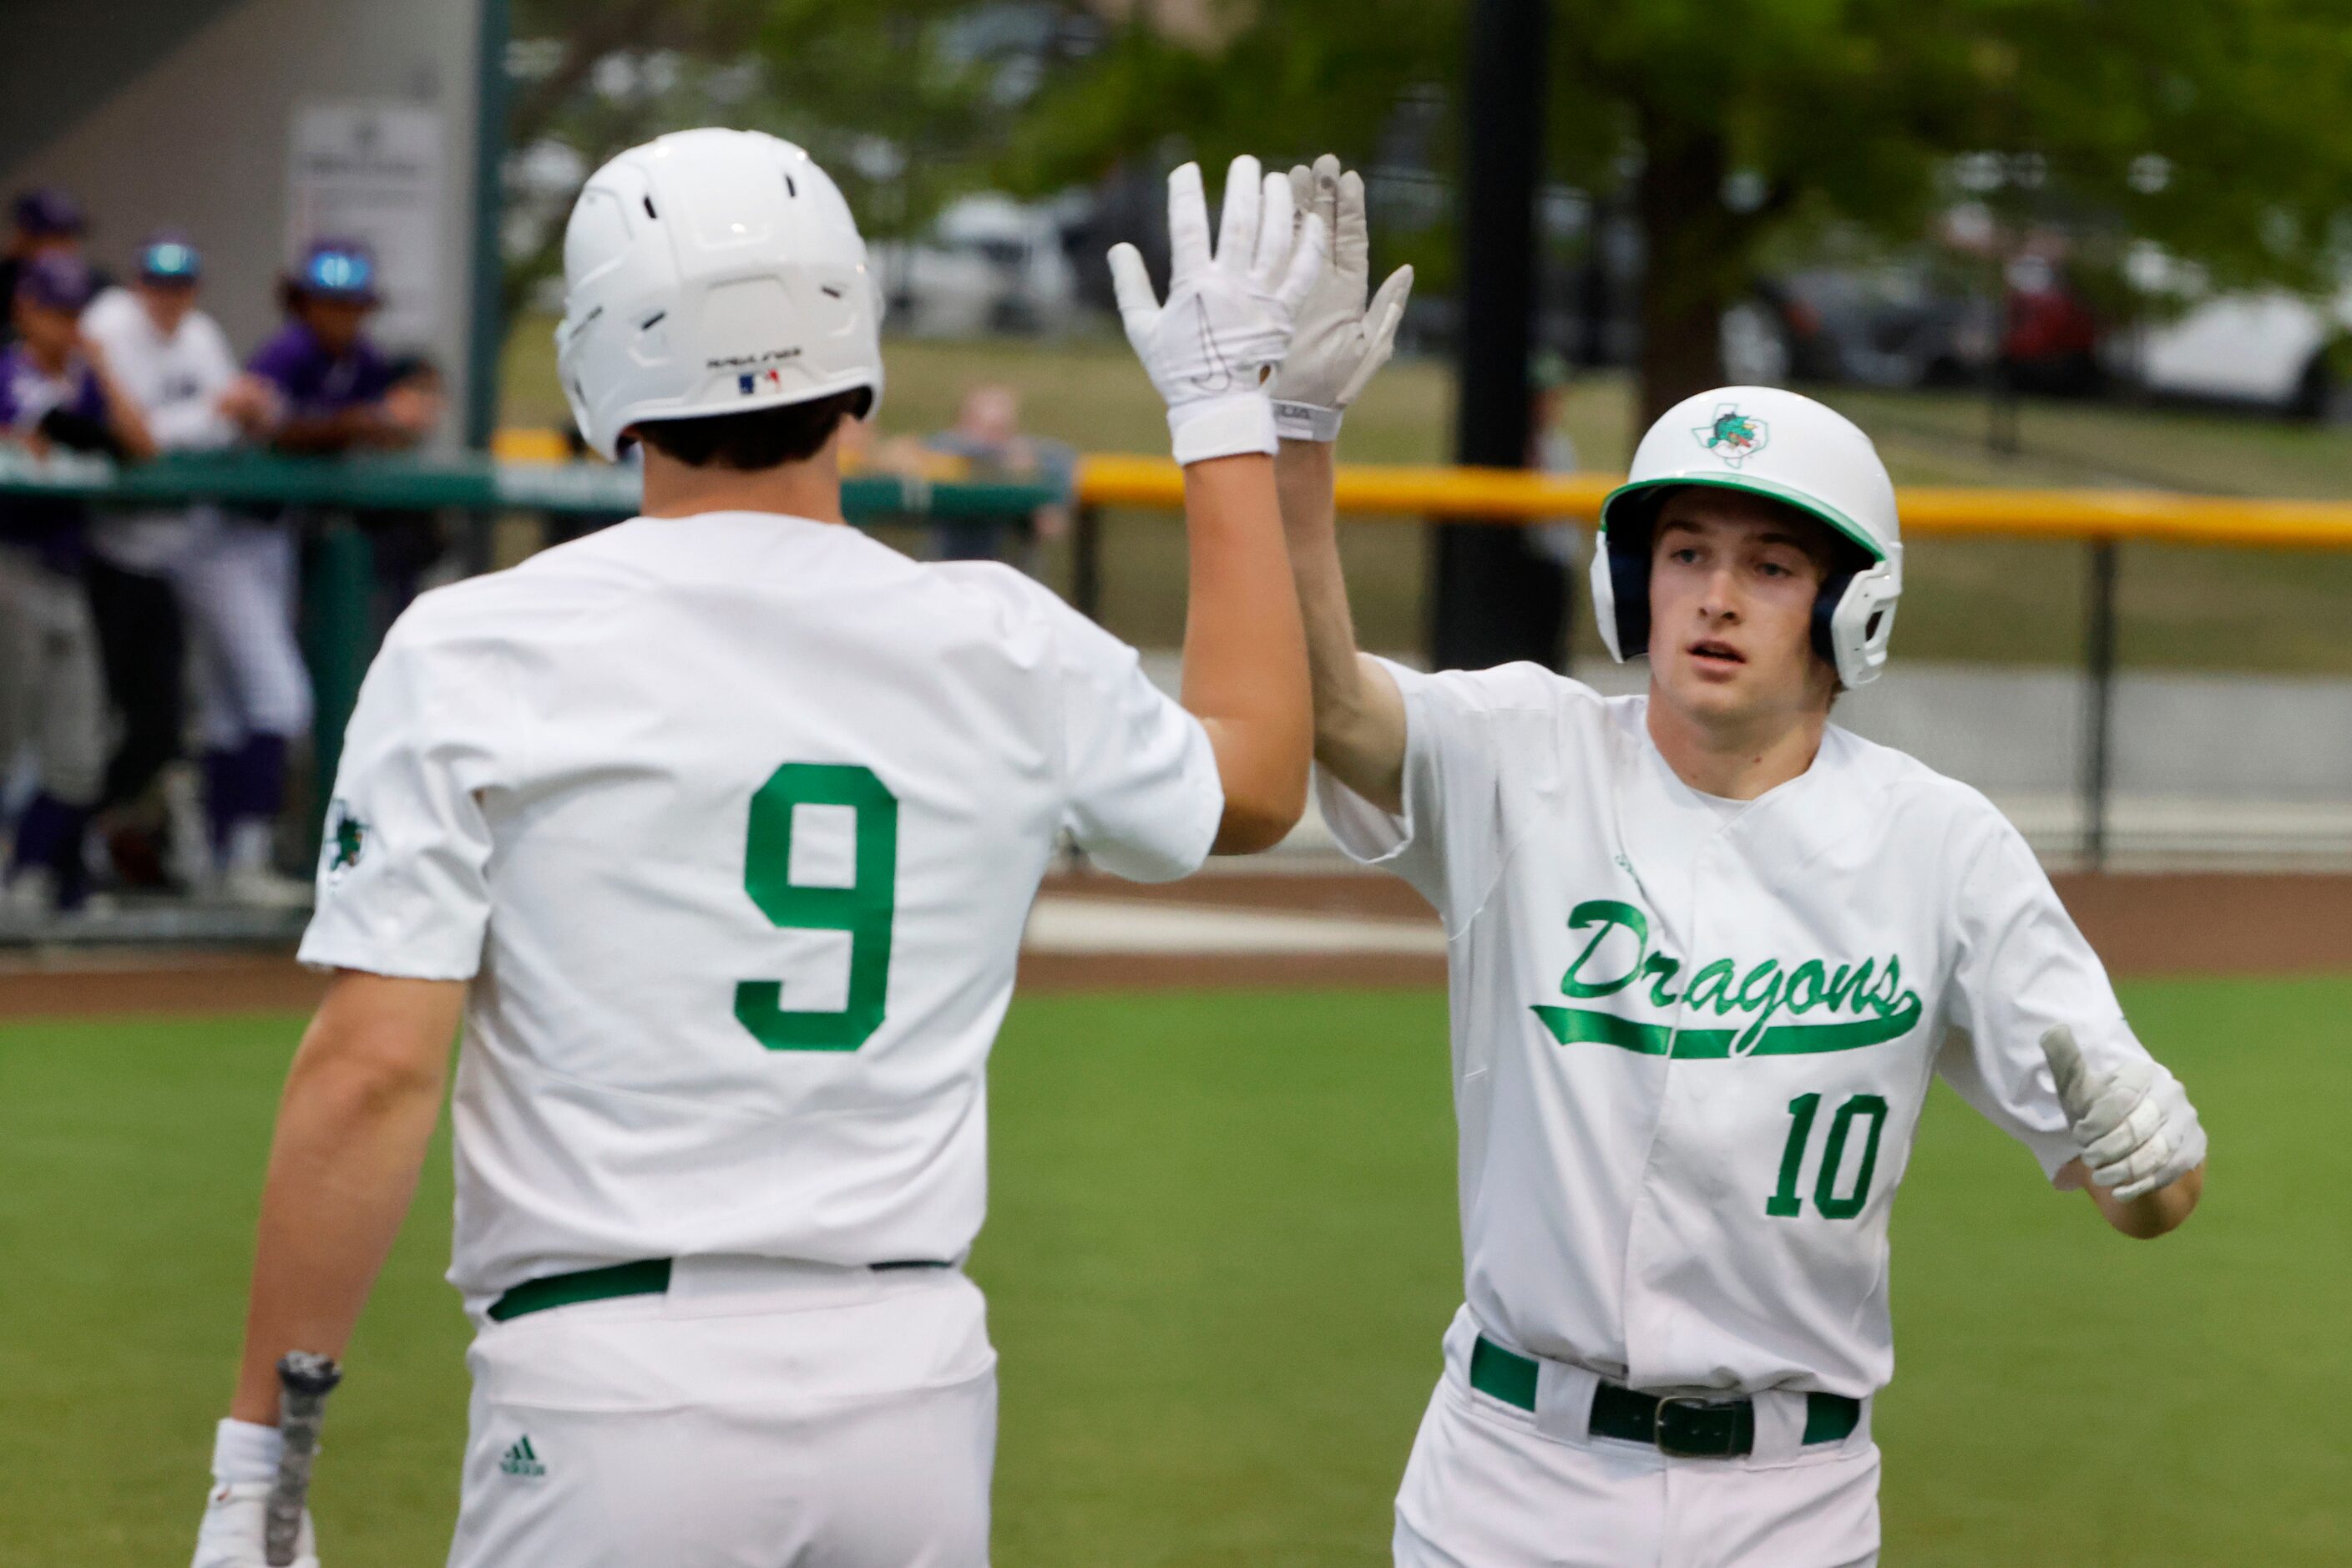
column 2051, row 338
column 1892, row 326
column 2273, row 349
column 989, row 263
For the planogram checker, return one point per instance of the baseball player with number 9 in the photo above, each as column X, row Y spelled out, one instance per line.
column 719, row 829
column 1708, row 949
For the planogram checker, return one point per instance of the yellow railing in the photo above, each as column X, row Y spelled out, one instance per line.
column 1369, row 490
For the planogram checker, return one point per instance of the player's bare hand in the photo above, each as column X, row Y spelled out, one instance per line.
column 1229, row 316
column 412, row 411
column 1342, row 340
column 2134, row 1123
column 251, row 404
column 230, row 1536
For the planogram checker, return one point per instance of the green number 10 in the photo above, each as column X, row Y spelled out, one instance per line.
column 1785, row 1203
column 865, row 909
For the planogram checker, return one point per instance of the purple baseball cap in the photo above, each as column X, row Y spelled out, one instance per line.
column 45, row 210
column 56, row 282
column 336, row 270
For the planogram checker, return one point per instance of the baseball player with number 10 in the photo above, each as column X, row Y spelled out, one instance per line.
column 720, row 828
column 1707, row 951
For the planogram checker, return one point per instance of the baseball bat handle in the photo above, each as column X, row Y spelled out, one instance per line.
column 304, row 1381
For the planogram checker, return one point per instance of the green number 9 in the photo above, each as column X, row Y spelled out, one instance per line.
column 866, row 909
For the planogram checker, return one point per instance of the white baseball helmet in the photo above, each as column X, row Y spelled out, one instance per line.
column 712, row 272
column 1770, row 443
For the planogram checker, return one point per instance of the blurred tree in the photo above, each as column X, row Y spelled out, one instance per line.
column 905, row 102
column 2221, row 131
column 591, row 77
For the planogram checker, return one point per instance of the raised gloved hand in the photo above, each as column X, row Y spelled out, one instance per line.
column 1229, row 317
column 244, row 1468
column 2135, row 1127
column 1340, row 341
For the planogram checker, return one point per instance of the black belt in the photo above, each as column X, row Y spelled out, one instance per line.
column 1678, row 1424
column 648, row 1278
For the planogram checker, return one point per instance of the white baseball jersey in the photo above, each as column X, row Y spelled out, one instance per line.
column 1691, row 1037
column 176, row 382
column 734, row 821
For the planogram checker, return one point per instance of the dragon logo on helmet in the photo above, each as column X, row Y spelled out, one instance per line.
column 1732, row 435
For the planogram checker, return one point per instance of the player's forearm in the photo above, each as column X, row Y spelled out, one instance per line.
column 359, row 1110
column 2150, row 1214
column 1244, row 655
column 124, row 419
column 321, row 435
column 1358, row 714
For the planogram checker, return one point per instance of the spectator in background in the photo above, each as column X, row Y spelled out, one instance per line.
column 321, row 382
column 320, row 387
column 332, row 391
column 41, row 222
column 156, row 576
column 987, row 440
column 55, row 393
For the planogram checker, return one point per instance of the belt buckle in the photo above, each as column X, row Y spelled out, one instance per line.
column 1672, row 1449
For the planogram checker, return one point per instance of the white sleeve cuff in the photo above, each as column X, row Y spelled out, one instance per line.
column 1364, row 833
column 1225, row 426
column 1304, row 421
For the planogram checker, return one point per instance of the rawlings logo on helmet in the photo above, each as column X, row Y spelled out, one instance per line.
column 1732, row 435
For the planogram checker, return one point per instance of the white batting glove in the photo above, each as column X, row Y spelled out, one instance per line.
column 230, row 1536
column 2135, row 1125
column 244, row 1468
column 1229, row 318
column 1340, row 340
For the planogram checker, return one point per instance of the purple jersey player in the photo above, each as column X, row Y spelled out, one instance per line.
column 54, row 392
column 330, row 387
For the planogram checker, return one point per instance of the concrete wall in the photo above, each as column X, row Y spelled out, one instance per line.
column 196, row 134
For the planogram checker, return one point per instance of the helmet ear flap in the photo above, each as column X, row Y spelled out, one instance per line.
column 1620, row 578
column 1859, row 621
column 1827, row 603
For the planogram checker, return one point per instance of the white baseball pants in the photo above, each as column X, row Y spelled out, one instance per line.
column 236, row 581
column 758, row 1416
column 52, row 694
column 1492, row 1486
column 237, row 590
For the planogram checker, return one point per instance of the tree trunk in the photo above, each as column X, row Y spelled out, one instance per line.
column 1693, row 261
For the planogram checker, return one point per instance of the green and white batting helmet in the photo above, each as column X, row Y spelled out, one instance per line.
column 1772, row 443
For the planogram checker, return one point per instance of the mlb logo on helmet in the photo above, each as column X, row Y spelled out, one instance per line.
column 761, row 381
column 1732, row 435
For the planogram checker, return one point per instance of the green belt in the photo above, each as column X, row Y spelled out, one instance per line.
column 1676, row 1425
column 648, row 1277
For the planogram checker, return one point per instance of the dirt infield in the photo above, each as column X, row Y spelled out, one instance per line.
column 2154, row 924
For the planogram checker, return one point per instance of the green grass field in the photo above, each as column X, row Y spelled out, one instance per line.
column 1994, row 600
column 1221, row 1253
